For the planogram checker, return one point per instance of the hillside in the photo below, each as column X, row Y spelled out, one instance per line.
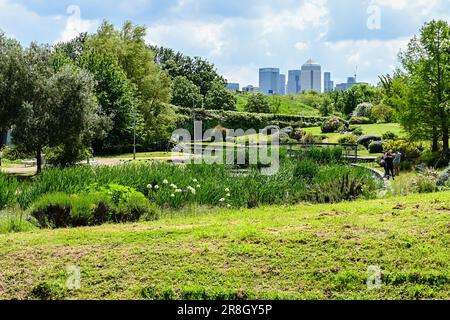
column 290, row 105
column 300, row 252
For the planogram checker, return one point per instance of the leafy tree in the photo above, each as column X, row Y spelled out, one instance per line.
column 116, row 96
column 186, row 93
column 58, row 108
column 426, row 62
column 257, row 103
column 12, row 77
column 202, row 73
column 137, row 60
column 219, row 98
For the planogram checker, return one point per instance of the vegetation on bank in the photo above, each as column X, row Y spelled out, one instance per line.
column 299, row 252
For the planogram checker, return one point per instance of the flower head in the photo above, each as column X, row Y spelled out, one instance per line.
column 228, row 195
column 178, row 191
column 156, row 187
column 149, row 186
column 166, row 181
column 222, row 200
column 198, row 186
column 195, row 180
column 227, row 190
column 172, row 195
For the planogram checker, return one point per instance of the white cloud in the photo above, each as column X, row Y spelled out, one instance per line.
column 300, row 46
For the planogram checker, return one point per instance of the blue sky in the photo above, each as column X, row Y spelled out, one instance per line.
column 241, row 36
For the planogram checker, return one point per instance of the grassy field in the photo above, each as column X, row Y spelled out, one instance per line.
column 368, row 129
column 290, row 104
column 300, row 252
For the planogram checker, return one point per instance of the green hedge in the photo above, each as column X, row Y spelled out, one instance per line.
column 241, row 120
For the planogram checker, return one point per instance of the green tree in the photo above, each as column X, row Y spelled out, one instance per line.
column 58, row 108
column 202, row 73
column 186, row 93
column 12, row 80
column 137, row 60
column 219, row 98
column 257, row 103
column 116, row 96
column 427, row 65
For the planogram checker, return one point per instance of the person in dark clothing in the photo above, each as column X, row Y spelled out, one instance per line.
column 389, row 165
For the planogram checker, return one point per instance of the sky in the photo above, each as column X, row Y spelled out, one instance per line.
column 239, row 37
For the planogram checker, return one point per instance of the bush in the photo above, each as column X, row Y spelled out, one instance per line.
column 409, row 150
column 332, row 125
column 306, row 170
column 310, row 138
column 368, row 139
column 360, row 120
column 297, row 134
column 390, row 136
column 382, row 114
column 430, row 158
column 257, row 103
column 111, row 204
column 444, row 178
column 376, row 147
column 358, row 131
column 363, row 110
column 14, row 154
column 347, row 139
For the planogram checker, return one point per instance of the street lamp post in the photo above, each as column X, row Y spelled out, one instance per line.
column 134, row 133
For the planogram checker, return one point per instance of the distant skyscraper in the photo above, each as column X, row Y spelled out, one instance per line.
column 328, row 85
column 269, row 80
column 351, row 81
column 311, row 79
column 233, row 86
column 282, row 86
column 294, row 78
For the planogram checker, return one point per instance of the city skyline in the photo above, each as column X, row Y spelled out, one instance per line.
column 239, row 39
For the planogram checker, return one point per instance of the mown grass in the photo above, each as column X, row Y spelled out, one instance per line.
column 299, row 252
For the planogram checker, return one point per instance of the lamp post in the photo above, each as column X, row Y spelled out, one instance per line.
column 134, row 132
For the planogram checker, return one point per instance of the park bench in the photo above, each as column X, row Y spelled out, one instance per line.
column 29, row 163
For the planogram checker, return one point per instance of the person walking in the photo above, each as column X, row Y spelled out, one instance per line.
column 389, row 160
column 397, row 162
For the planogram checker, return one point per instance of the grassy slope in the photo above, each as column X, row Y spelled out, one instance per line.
column 304, row 252
column 289, row 105
column 375, row 129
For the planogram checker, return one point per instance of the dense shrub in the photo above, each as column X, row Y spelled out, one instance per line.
column 347, row 139
column 257, row 103
column 332, row 125
column 390, row 136
column 14, row 154
column 360, row 120
column 376, row 147
column 110, row 204
column 241, row 120
column 382, row 113
column 409, row 150
column 368, row 139
column 311, row 138
column 444, row 178
column 297, row 134
column 363, row 110
column 358, row 131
